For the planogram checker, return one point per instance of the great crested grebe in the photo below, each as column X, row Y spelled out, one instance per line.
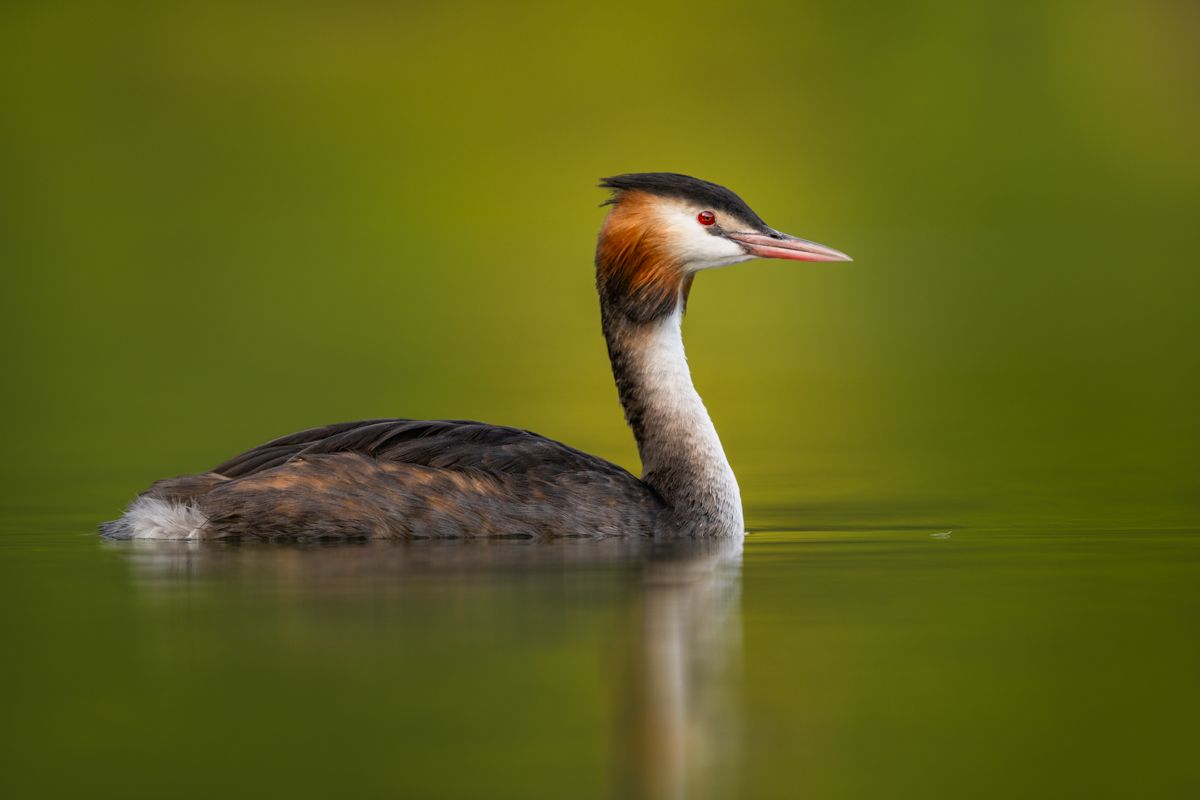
column 402, row 478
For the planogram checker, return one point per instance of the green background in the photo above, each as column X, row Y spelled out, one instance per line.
column 224, row 221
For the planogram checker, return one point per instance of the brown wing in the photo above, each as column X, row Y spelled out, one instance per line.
column 441, row 444
column 400, row 478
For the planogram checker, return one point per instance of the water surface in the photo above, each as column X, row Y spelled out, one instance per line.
column 851, row 663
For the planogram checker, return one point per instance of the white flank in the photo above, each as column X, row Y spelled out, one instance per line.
column 151, row 518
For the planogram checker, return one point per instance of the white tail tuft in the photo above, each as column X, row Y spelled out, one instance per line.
column 152, row 518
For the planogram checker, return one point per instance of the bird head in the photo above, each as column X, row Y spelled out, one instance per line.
column 663, row 228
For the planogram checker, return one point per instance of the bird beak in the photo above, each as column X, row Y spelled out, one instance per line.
column 790, row 248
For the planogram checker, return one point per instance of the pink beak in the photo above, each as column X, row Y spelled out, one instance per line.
column 790, row 248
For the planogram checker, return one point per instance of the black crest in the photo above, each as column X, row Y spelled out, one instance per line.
column 672, row 184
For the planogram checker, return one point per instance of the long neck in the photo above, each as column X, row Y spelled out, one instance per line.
column 682, row 458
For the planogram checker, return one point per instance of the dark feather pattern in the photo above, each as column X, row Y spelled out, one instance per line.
column 410, row 479
column 671, row 184
column 442, row 444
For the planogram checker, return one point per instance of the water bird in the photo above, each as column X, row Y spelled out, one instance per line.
column 416, row 479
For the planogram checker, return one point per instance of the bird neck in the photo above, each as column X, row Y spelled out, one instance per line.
column 682, row 457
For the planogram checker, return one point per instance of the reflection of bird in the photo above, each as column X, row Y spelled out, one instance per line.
column 398, row 478
column 672, row 656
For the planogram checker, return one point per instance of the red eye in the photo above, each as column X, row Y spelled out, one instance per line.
column 706, row 218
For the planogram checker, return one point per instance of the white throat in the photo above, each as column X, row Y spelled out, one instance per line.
column 681, row 453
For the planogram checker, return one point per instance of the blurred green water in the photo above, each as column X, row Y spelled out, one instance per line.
column 828, row 664
column 222, row 222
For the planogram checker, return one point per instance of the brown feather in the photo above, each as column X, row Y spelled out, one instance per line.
column 635, row 270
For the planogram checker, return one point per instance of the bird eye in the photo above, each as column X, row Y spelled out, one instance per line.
column 706, row 218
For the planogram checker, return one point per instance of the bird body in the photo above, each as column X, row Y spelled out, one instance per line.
column 398, row 478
